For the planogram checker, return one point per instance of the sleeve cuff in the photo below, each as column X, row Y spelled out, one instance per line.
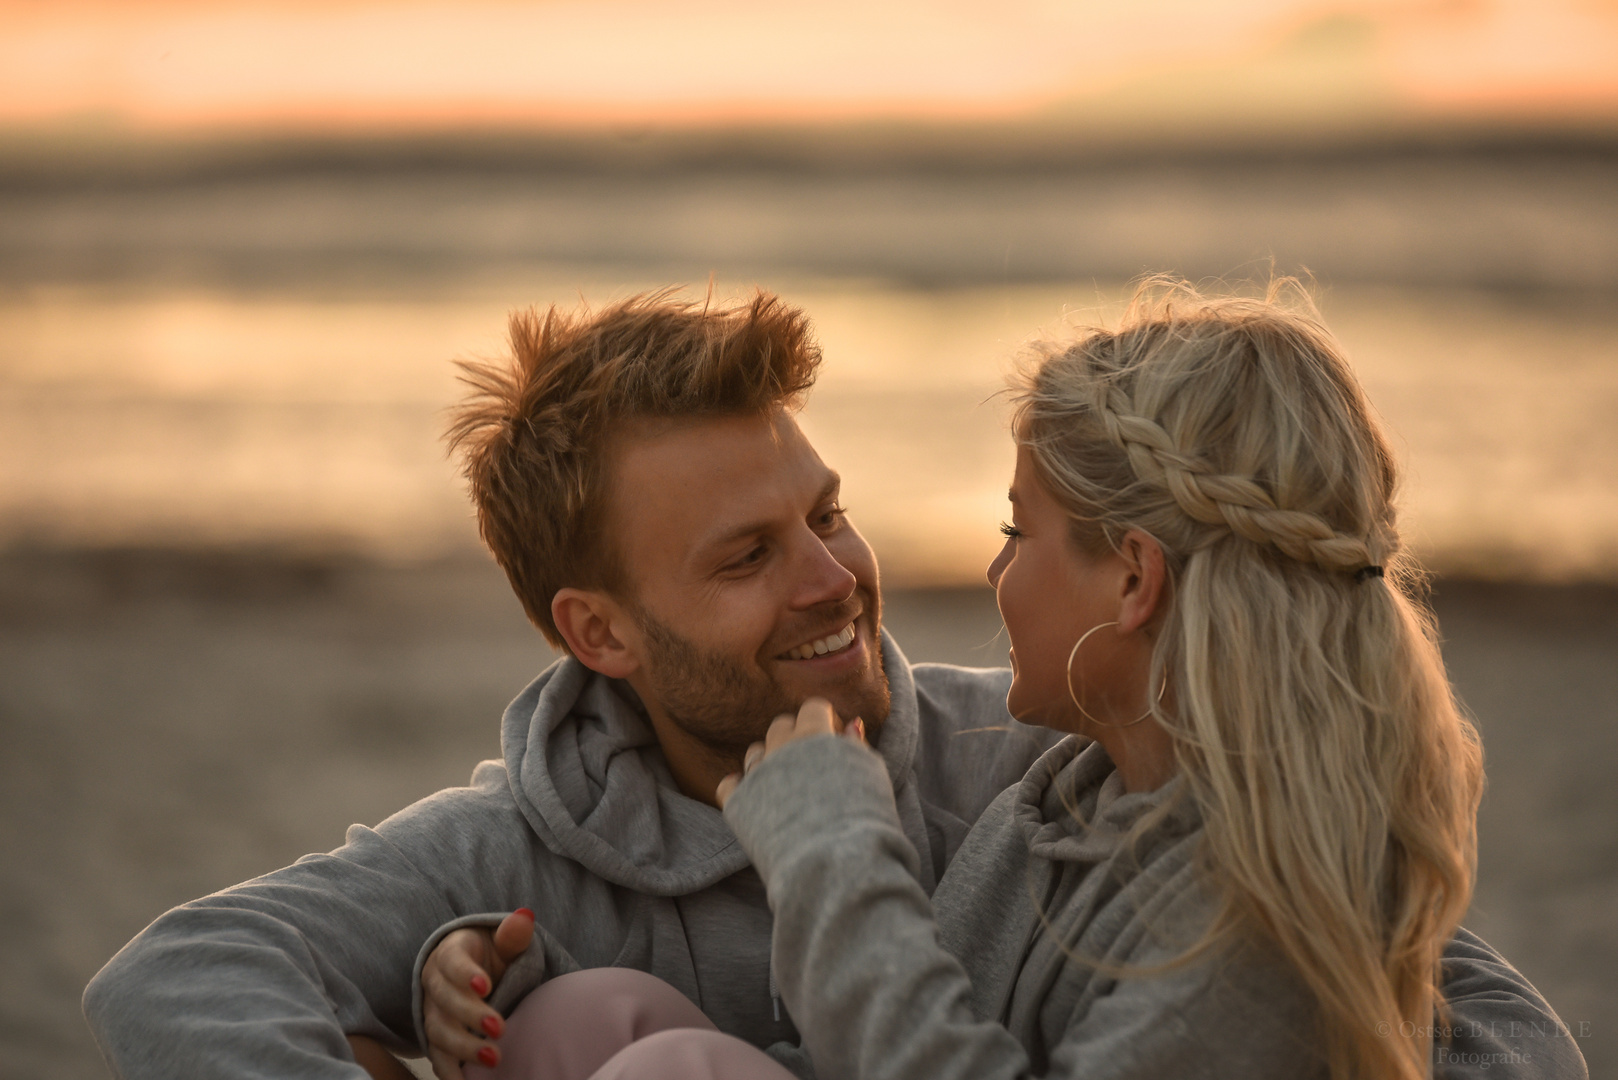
column 544, row 957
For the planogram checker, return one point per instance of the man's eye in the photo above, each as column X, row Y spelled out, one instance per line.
column 831, row 516
column 1010, row 531
column 749, row 559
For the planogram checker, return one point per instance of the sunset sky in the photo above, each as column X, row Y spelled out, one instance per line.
column 186, row 65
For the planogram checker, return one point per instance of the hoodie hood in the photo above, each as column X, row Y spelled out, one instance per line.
column 587, row 773
column 1072, row 806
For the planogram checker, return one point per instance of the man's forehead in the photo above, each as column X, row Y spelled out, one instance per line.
column 696, row 482
column 680, row 449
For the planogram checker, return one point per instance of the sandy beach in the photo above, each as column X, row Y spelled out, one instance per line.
column 177, row 723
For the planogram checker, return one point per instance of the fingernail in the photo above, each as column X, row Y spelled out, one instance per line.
column 525, row 911
column 488, row 1056
column 491, row 1026
column 480, row 984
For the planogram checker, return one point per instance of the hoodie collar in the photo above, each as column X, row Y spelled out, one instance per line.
column 1072, row 807
column 589, row 777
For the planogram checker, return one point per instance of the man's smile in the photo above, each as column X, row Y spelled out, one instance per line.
column 831, row 644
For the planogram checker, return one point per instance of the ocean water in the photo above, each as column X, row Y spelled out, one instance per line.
column 258, row 352
column 270, row 418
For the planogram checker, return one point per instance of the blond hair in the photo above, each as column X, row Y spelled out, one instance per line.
column 534, row 434
column 1311, row 715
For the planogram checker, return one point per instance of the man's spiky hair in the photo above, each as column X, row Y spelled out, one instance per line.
column 535, row 434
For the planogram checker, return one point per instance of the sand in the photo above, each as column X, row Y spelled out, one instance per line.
column 173, row 724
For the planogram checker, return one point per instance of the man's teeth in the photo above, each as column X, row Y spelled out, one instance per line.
column 833, row 643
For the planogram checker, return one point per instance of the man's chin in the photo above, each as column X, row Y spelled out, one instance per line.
column 856, row 685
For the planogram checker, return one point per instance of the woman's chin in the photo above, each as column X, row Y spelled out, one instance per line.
column 1016, row 704
column 1050, row 714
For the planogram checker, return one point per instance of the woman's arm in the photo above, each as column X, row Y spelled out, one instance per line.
column 874, row 994
column 856, row 953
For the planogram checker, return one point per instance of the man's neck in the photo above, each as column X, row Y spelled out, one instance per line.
column 696, row 766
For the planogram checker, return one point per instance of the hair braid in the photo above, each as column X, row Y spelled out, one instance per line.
column 1238, row 503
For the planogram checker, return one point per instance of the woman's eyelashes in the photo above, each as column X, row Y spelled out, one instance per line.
column 1010, row 531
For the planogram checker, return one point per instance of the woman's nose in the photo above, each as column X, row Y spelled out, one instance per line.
column 998, row 566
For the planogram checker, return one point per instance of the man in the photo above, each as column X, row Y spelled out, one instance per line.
column 639, row 476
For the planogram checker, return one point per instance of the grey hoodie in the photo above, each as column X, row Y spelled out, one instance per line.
column 582, row 823
column 982, row 982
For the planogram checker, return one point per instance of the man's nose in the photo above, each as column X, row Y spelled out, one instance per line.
column 821, row 577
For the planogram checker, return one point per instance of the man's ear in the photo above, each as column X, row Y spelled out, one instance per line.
column 592, row 624
column 1145, row 582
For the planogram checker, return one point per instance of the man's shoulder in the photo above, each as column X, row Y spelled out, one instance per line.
column 964, row 693
column 969, row 746
column 486, row 801
column 954, row 700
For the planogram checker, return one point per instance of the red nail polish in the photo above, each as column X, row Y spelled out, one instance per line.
column 488, row 1056
column 491, row 1026
column 480, row 984
column 525, row 911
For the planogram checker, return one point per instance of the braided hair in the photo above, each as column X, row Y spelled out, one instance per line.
column 1311, row 715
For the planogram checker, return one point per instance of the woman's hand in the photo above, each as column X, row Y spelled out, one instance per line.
column 815, row 717
column 460, row 972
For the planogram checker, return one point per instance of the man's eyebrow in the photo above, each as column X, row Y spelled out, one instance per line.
column 830, row 488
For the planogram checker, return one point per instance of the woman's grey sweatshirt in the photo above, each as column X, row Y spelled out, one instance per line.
column 1012, row 969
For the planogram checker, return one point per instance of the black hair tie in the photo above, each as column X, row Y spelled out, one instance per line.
column 1366, row 572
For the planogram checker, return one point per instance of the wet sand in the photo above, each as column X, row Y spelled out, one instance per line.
column 173, row 724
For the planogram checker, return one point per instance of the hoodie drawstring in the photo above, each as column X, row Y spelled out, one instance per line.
column 775, row 994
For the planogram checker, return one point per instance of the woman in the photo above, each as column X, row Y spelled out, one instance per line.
column 1253, row 868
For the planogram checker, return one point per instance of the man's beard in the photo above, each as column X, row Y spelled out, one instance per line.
column 728, row 704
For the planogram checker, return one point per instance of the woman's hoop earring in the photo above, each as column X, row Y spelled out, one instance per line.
column 1069, row 673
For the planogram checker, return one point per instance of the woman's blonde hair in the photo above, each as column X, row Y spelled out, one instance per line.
column 1311, row 715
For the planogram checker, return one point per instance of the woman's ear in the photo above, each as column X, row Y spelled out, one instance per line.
column 1145, row 580
column 590, row 623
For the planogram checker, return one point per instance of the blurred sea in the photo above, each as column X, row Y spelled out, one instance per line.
column 256, row 351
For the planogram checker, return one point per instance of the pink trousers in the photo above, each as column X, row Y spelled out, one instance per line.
column 619, row 1024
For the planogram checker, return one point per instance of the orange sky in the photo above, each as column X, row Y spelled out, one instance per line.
column 187, row 65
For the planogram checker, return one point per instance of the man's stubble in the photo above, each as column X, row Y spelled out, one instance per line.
column 728, row 704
